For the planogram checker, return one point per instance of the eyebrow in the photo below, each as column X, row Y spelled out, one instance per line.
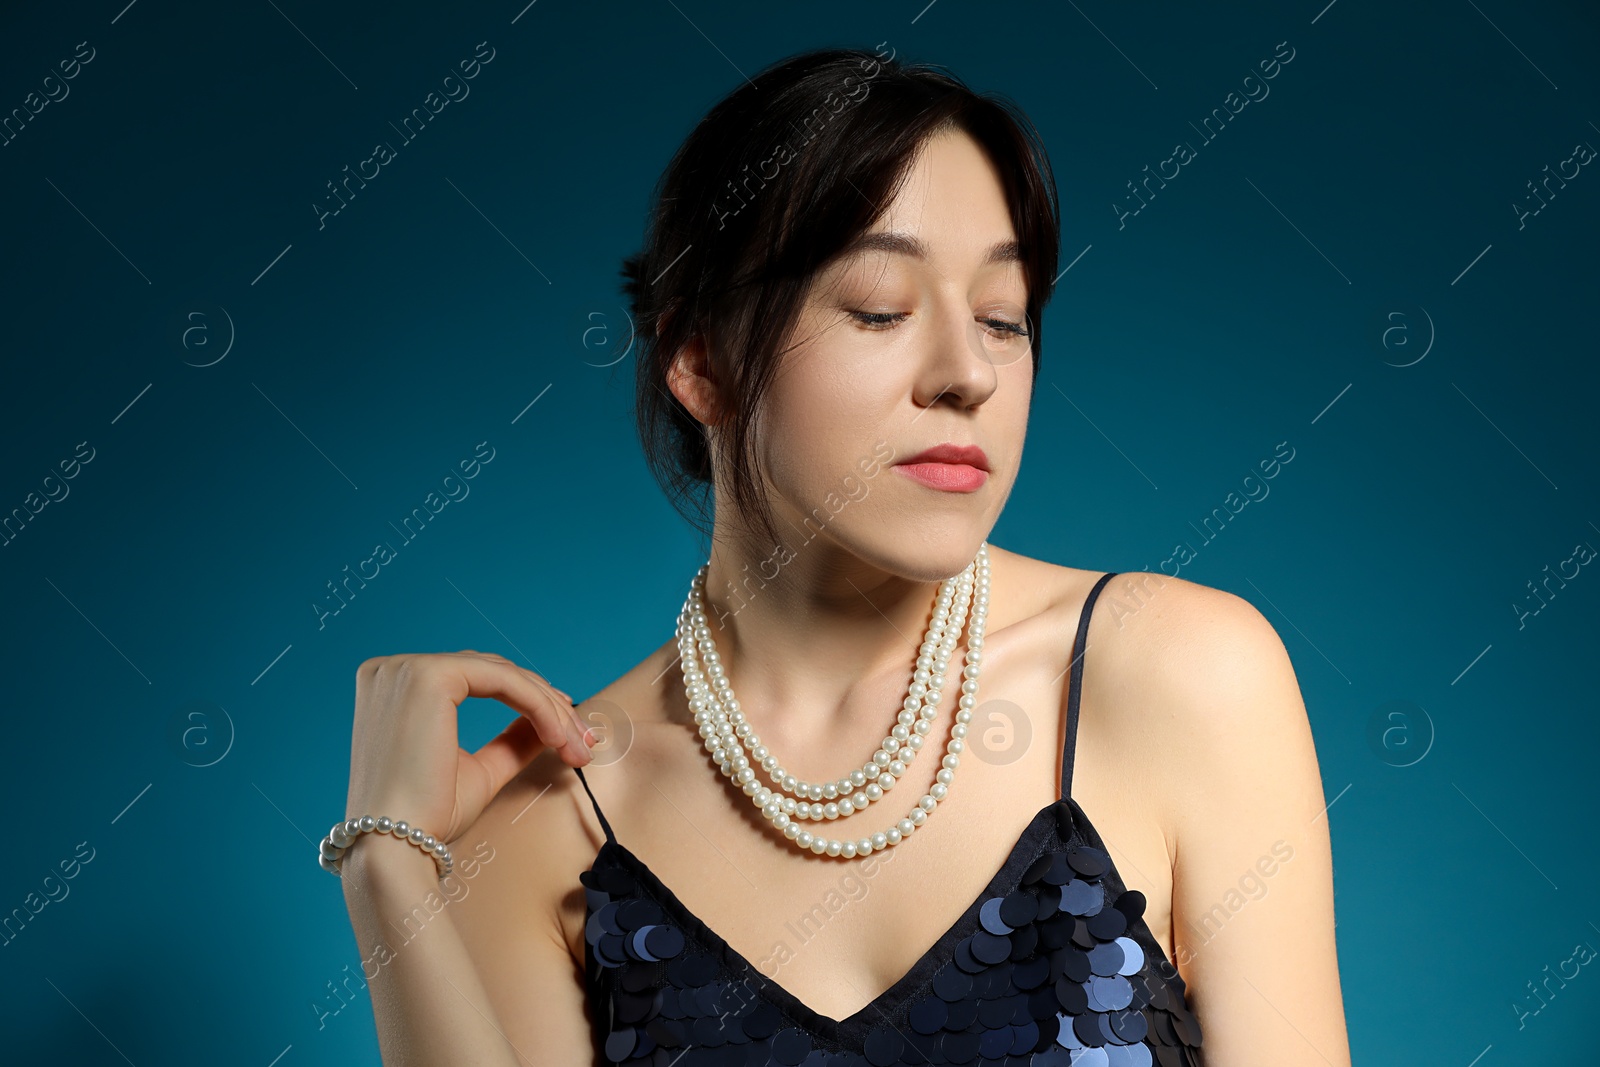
column 906, row 244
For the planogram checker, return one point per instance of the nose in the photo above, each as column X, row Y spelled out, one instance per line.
column 958, row 367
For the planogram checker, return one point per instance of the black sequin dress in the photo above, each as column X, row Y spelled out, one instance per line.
column 1051, row 965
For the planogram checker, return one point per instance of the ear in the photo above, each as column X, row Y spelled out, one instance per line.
column 690, row 377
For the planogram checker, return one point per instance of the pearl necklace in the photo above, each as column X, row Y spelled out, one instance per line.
column 732, row 742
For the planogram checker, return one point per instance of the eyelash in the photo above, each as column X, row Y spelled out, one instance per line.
column 886, row 318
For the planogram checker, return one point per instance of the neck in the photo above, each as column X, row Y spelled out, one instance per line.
column 815, row 641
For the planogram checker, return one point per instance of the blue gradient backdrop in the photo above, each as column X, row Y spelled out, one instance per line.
column 1345, row 267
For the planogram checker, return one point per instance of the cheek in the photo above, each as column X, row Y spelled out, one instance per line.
column 820, row 424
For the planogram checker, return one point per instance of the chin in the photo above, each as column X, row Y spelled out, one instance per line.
column 921, row 550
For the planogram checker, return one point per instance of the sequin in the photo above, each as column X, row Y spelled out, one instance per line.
column 1106, row 958
column 1132, row 955
column 1079, row 897
column 991, row 919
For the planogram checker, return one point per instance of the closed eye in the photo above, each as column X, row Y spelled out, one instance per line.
column 884, row 319
column 1007, row 327
column 879, row 319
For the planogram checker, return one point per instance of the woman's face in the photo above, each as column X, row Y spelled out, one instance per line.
column 899, row 353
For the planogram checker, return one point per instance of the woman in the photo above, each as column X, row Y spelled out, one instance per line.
column 842, row 292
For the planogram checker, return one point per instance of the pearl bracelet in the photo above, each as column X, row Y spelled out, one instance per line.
column 331, row 852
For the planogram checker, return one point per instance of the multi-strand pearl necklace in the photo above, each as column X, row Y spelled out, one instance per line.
column 733, row 743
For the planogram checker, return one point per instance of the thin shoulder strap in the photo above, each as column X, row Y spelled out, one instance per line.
column 598, row 813
column 1075, row 684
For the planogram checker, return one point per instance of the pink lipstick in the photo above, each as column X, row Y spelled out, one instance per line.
column 948, row 467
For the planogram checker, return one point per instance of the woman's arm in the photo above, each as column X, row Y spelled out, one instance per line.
column 429, row 996
column 430, row 1003
column 1253, row 917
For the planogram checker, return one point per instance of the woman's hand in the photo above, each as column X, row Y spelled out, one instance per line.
column 406, row 761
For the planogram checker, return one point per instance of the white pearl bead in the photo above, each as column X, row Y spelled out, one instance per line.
column 961, row 605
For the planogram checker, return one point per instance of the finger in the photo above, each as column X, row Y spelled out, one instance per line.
column 505, row 757
column 502, row 659
column 583, row 733
column 554, row 722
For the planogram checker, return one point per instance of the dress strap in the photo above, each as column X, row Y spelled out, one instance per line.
column 1075, row 684
column 598, row 813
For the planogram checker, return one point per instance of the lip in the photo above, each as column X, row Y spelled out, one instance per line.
column 971, row 455
column 948, row 467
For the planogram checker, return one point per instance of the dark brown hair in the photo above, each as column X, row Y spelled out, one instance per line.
column 768, row 188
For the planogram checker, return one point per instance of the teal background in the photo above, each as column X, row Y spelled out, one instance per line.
column 1359, row 216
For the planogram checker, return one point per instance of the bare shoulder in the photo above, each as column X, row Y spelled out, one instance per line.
column 1226, row 751
column 543, row 828
column 1192, row 678
column 539, row 841
column 1206, row 681
column 1169, row 654
column 1173, row 626
column 514, row 910
column 1202, row 667
column 523, row 913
